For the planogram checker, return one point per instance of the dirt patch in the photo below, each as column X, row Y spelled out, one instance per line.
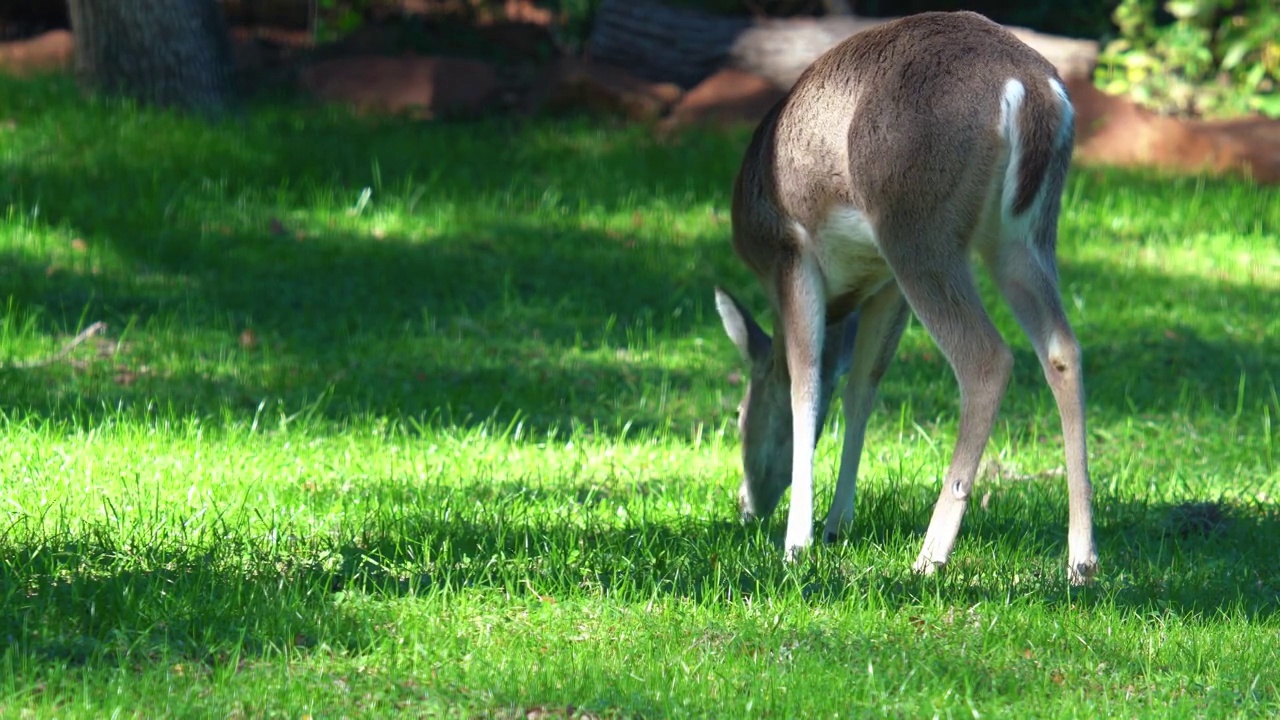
column 570, row 84
column 728, row 97
column 1115, row 131
column 48, row 52
column 424, row 87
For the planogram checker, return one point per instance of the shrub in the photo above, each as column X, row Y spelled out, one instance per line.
column 1206, row 57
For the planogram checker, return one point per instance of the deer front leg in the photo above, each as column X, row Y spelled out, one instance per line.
column 803, row 314
column 883, row 318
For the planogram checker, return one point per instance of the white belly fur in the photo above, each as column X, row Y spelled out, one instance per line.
column 849, row 254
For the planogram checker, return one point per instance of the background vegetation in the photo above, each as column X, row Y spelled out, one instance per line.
column 1214, row 57
column 1185, row 57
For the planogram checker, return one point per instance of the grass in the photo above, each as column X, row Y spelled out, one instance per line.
column 437, row 419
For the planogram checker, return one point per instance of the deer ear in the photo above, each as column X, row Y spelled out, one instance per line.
column 751, row 340
column 837, row 352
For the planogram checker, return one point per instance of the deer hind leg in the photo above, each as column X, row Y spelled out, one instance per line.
column 938, row 283
column 1028, row 278
column 880, row 325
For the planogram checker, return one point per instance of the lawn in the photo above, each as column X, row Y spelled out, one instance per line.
column 437, row 419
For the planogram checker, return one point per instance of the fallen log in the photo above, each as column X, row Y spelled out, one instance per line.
column 661, row 43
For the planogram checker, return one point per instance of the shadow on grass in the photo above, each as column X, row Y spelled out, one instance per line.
column 94, row 599
column 512, row 307
column 474, row 322
column 489, row 327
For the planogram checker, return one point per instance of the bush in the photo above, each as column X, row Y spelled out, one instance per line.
column 1203, row 57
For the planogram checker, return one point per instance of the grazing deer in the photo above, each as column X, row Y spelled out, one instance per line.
column 898, row 154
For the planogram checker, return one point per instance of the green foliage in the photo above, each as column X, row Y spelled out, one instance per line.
column 576, row 17
column 1216, row 57
column 333, row 19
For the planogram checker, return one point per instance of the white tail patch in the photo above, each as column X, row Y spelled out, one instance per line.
column 1067, row 126
column 1010, row 103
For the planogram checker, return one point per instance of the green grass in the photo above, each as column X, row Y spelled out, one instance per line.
column 480, row 459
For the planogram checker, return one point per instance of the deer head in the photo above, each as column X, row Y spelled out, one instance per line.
column 764, row 414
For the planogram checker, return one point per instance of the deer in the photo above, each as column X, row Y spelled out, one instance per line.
column 865, row 195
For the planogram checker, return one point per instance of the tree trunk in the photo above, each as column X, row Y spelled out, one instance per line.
column 173, row 53
column 666, row 44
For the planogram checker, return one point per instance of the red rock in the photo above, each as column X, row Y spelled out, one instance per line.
column 728, row 97
column 527, row 11
column 1115, row 131
column 421, row 86
column 48, row 52
column 570, row 83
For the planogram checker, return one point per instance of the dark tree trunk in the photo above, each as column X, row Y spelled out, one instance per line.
column 667, row 44
column 173, row 53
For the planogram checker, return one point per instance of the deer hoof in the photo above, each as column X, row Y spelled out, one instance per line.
column 925, row 565
column 794, row 553
column 1082, row 573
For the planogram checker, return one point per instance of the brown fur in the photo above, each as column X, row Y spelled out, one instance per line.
column 866, row 189
column 845, row 119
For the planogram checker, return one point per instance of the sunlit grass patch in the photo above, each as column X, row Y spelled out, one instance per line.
column 437, row 418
